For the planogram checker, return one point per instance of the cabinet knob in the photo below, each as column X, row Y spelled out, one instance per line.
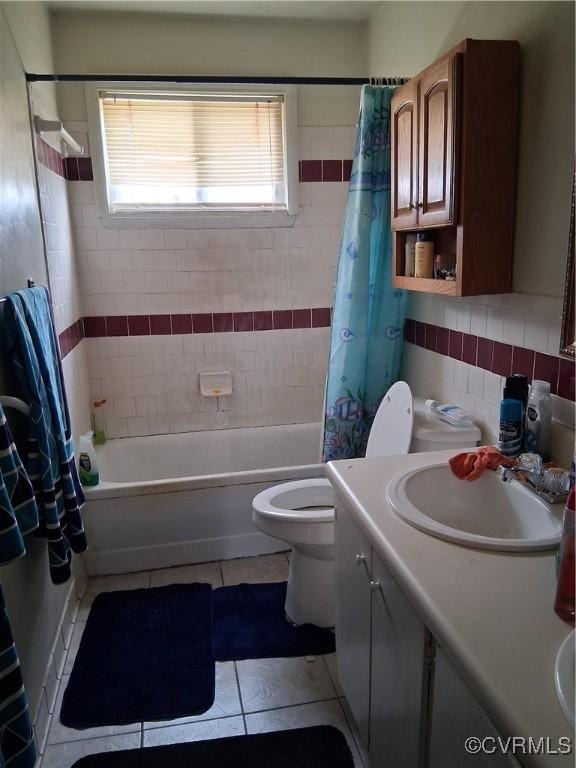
column 376, row 588
column 412, row 206
column 420, row 205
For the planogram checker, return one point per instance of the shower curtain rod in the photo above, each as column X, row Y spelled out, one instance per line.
column 390, row 81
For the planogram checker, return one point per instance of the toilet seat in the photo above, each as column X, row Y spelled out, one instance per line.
column 391, row 431
column 297, row 501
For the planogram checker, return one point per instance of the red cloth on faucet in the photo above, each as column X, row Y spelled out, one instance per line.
column 470, row 465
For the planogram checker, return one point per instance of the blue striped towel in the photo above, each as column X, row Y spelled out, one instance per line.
column 18, row 511
column 32, row 347
column 17, row 745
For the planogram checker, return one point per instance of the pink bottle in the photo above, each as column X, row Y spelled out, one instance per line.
column 564, row 602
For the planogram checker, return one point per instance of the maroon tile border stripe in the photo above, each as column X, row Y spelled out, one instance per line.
column 69, row 168
column 205, row 322
column 50, row 158
column 487, row 354
column 71, row 337
column 324, row 170
column 495, row 356
column 80, row 168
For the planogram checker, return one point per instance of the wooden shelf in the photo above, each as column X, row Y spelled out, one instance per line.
column 427, row 285
column 445, row 242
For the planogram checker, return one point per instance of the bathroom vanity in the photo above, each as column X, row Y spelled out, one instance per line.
column 438, row 642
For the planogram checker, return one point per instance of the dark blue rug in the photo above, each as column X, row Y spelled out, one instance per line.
column 249, row 623
column 321, row 746
column 146, row 654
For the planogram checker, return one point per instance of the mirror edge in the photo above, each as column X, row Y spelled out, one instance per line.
column 567, row 337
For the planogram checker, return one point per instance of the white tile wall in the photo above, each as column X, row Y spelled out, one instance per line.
column 232, row 270
column 530, row 321
column 152, row 383
column 75, row 367
column 64, row 288
column 60, row 248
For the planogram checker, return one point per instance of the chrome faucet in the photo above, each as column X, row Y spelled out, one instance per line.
column 506, row 474
column 549, row 483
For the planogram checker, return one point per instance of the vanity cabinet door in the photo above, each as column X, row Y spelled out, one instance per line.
column 353, row 617
column 456, row 715
column 398, row 675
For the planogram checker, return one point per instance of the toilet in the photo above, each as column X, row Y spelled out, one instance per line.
column 301, row 512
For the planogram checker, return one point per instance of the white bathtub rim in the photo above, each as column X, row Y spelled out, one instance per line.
column 108, row 490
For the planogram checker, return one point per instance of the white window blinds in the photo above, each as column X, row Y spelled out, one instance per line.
column 182, row 151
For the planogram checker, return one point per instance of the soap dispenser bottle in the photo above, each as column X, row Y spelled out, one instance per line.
column 87, row 464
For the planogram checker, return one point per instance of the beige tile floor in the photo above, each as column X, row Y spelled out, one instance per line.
column 252, row 696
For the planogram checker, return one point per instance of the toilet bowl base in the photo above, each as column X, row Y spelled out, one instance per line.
column 310, row 597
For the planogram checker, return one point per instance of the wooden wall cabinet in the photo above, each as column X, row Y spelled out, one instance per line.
column 454, row 138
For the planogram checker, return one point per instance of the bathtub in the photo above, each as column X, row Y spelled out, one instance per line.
column 176, row 499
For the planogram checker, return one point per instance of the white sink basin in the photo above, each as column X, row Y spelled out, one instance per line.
column 564, row 671
column 486, row 513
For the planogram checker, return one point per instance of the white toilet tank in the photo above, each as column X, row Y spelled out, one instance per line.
column 430, row 433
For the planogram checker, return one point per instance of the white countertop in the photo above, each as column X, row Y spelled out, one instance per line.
column 492, row 612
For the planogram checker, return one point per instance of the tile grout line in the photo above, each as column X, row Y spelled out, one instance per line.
column 240, row 697
column 295, row 706
column 167, row 724
column 335, row 685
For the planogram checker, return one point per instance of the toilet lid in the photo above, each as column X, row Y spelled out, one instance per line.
column 391, row 432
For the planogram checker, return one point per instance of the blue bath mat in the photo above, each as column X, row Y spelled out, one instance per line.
column 146, row 654
column 321, row 746
column 249, row 623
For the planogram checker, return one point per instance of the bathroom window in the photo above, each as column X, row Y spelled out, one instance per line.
column 177, row 152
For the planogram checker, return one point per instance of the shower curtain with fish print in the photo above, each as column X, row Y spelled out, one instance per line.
column 368, row 316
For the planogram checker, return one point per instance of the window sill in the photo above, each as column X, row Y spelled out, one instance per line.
column 203, row 220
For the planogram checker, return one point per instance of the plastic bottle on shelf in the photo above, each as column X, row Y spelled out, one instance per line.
column 409, row 255
column 424, row 256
